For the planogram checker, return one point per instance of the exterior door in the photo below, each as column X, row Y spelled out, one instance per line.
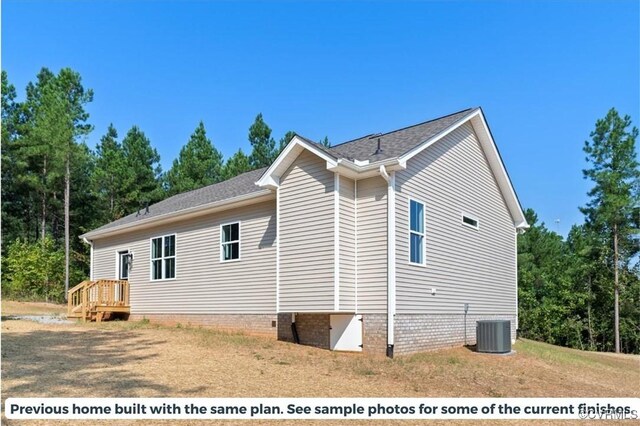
column 124, row 263
column 345, row 333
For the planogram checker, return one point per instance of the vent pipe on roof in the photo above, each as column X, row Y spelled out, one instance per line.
column 146, row 208
column 379, row 150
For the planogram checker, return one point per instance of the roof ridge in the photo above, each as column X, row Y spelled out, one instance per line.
column 404, row 128
column 427, row 121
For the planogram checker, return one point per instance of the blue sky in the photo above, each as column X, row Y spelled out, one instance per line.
column 543, row 72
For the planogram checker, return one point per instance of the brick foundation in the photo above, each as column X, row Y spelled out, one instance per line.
column 374, row 330
column 264, row 324
column 413, row 332
column 419, row 332
column 313, row 329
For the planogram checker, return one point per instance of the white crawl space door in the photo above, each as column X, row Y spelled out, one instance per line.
column 346, row 332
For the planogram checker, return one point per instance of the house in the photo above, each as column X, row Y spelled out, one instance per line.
column 390, row 243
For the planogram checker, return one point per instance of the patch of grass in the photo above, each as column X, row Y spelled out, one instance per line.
column 14, row 307
column 281, row 362
column 452, row 360
column 558, row 354
column 365, row 372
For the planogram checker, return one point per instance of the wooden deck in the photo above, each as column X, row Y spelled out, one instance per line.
column 98, row 300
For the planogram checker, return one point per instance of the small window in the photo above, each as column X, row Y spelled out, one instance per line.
column 416, row 232
column 163, row 257
column 230, row 242
column 470, row 221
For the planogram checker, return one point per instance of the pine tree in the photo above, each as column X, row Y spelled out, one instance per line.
column 14, row 202
column 198, row 164
column 237, row 164
column 35, row 152
column 325, row 142
column 110, row 174
column 71, row 95
column 142, row 162
column 263, row 145
column 614, row 171
column 284, row 141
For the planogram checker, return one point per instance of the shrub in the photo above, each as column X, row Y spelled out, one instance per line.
column 34, row 270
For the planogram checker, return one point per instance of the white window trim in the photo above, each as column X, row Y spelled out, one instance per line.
column 151, row 259
column 424, row 232
column 472, row 217
column 239, row 241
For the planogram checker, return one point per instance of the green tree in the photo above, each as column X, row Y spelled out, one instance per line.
column 284, row 141
column 198, row 164
column 263, row 145
column 142, row 162
column 36, row 153
column 110, row 175
column 611, row 155
column 69, row 97
column 34, row 270
column 14, row 202
column 325, row 142
column 237, row 164
column 541, row 286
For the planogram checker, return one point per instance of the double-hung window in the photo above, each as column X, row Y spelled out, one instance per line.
column 230, row 242
column 163, row 257
column 416, row 232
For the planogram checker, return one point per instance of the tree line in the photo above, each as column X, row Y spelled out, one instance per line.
column 581, row 292
column 54, row 187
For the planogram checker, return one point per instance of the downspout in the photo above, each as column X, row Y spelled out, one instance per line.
column 391, row 256
column 90, row 257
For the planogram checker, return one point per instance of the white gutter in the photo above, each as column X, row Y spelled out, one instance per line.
column 391, row 256
column 354, row 171
column 252, row 198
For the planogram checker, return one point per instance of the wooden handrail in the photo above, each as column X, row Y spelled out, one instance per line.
column 90, row 295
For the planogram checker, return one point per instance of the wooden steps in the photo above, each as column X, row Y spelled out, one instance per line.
column 98, row 300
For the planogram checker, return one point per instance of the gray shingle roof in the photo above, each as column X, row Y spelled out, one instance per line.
column 397, row 142
column 393, row 144
column 240, row 185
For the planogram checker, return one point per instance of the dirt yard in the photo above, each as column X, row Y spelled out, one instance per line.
column 130, row 359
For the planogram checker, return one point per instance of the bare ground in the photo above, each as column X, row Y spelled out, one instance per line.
column 124, row 359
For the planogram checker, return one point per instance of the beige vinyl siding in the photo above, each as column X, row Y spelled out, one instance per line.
column 203, row 285
column 372, row 245
column 464, row 265
column 347, row 245
column 307, row 252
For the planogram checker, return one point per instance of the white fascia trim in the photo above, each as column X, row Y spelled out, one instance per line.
column 271, row 176
column 490, row 149
column 500, row 172
column 353, row 171
column 336, row 241
column 242, row 200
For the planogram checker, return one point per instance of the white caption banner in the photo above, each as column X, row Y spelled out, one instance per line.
column 322, row 408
